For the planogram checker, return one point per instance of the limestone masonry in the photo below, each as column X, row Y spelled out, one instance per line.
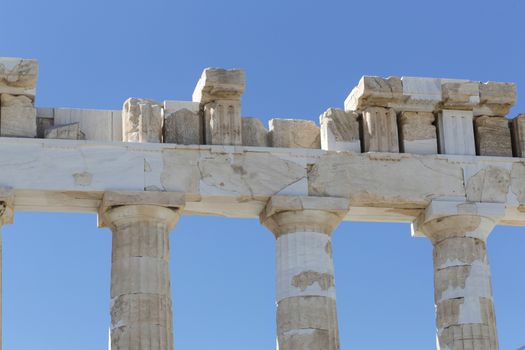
column 441, row 154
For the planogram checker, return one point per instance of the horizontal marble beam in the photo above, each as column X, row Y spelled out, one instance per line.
column 237, row 181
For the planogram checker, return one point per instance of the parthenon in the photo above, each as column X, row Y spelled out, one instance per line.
column 441, row 154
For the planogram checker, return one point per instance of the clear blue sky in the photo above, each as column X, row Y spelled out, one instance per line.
column 301, row 57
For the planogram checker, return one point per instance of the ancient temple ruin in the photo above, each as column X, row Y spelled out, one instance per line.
column 438, row 153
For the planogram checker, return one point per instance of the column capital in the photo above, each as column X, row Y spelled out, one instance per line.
column 119, row 206
column 287, row 214
column 443, row 219
column 7, row 206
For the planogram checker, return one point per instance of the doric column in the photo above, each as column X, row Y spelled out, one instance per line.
column 306, row 307
column 465, row 314
column 6, row 217
column 141, row 312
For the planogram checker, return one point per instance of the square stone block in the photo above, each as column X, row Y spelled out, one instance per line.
column 142, row 121
column 222, row 122
column 340, row 131
column 496, row 99
column 18, row 76
column 456, row 132
column 17, row 116
column 254, row 133
column 460, row 94
column 419, row 90
column 96, row 124
column 380, row 130
column 294, row 133
column 219, row 84
column 417, row 133
column 374, row 91
column 183, row 127
column 493, row 136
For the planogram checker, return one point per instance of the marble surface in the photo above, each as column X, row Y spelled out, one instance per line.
column 236, row 181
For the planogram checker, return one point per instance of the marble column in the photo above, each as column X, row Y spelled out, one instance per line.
column 141, row 312
column 6, row 217
column 465, row 314
column 306, row 304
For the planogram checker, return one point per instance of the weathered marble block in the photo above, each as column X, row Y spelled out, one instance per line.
column 96, row 124
column 460, row 94
column 456, row 132
column 183, row 127
column 420, row 94
column 17, row 116
column 254, row 133
column 222, row 122
column 425, row 92
column 219, row 84
column 518, row 130
column 417, row 133
column 18, row 76
column 294, row 133
column 142, row 121
column 340, row 131
column 496, row 99
column 374, row 91
column 493, row 136
column 65, row 132
column 380, row 130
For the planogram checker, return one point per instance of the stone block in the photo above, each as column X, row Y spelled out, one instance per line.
column 424, row 91
column 65, row 132
column 518, row 130
column 429, row 94
column 493, row 136
column 183, row 127
column 419, row 94
column 254, row 133
column 17, row 116
column 96, row 124
column 496, row 99
column 340, row 131
column 222, row 122
column 142, row 121
column 294, row 133
column 380, row 130
column 456, row 132
column 460, row 95
column 374, row 91
column 417, row 133
column 18, row 76
column 219, row 84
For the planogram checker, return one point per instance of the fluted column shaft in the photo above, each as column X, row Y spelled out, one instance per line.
column 465, row 314
column 6, row 217
column 306, row 303
column 141, row 312
column 1, row 239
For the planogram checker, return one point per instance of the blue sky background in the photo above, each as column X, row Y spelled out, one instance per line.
column 301, row 57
